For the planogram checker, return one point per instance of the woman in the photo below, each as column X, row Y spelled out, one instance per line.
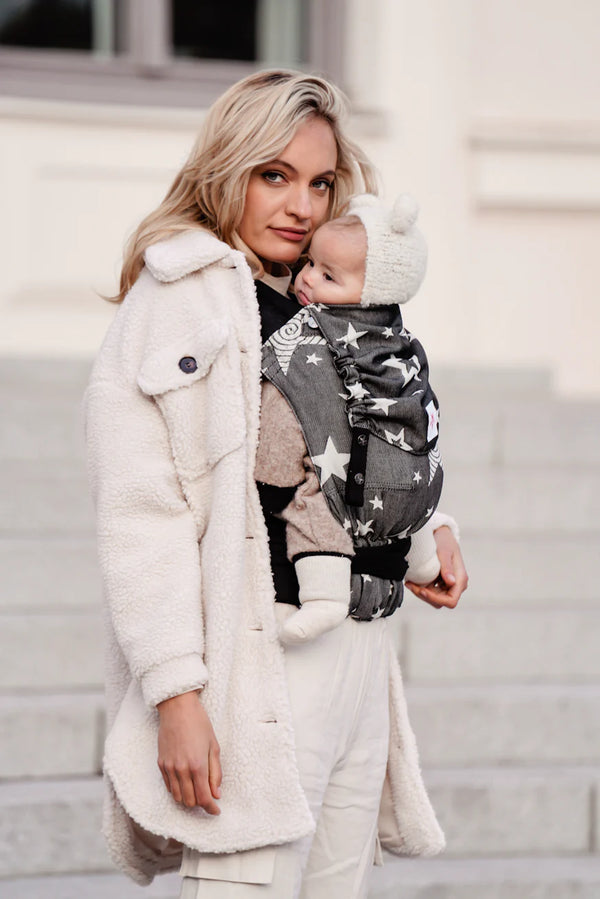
column 251, row 754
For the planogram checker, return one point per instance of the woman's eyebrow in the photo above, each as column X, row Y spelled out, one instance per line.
column 286, row 165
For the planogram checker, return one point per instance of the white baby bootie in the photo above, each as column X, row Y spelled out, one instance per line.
column 324, row 597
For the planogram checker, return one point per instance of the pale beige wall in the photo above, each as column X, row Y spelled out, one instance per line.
column 486, row 110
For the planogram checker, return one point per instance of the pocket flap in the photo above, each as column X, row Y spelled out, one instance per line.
column 185, row 361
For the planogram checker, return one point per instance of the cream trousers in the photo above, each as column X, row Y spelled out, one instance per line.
column 338, row 685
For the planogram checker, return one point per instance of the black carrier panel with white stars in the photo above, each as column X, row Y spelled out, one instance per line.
column 358, row 383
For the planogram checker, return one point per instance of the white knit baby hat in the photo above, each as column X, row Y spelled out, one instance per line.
column 396, row 249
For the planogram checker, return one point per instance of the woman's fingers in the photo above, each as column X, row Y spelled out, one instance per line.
column 215, row 775
column 203, row 795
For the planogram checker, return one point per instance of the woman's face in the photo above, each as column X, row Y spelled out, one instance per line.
column 288, row 197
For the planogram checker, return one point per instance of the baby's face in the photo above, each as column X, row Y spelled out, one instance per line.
column 335, row 271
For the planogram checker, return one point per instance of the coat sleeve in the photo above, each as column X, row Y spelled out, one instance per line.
column 147, row 540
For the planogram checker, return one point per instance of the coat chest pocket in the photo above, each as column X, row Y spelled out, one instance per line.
column 197, row 385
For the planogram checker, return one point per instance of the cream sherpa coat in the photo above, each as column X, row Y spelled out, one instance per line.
column 184, row 556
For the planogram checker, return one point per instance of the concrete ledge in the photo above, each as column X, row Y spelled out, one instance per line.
column 503, row 811
column 52, row 498
column 51, row 827
column 51, row 651
column 532, row 569
column 485, row 878
column 49, row 573
column 51, row 736
column 90, row 886
column 472, row 644
column 501, row 500
column 522, row 724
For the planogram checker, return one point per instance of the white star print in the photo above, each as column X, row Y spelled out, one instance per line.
column 331, row 462
column 313, row 359
column 357, row 391
column 376, row 503
column 367, row 579
column 398, row 438
column 429, row 512
column 364, row 528
column 382, row 404
column 408, row 371
column 351, row 336
column 387, row 332
column 417, row 477
column 348, row 524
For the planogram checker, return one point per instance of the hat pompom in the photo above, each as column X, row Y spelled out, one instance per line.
column 362, row 201
column 404, row 213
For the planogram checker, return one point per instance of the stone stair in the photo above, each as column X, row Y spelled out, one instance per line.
column 504, row 691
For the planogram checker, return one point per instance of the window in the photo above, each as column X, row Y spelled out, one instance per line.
column 178, row 52
column 87, row 25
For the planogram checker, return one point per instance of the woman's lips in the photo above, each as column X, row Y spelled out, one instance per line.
column 290, row 234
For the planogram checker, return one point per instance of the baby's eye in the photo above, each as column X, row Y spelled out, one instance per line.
column 273, row 177
column 310, row 263
column 327, row 277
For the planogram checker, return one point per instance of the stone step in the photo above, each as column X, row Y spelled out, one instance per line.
column 542, row 570
column 90, row 886
column 48, row 375
column 492, row 385
column 502, row 811
column 51, row 651
column 548, row 433
column 59, row 735
column 521, row 724
column 53, row 827
column 42, row 573
column 50, row 498
column 53, row 498
column 45, row 736
column 38, row 428
column 483, row 878
column 535, row 569
column 471, row 644
column 42, row 426
column 54, row 651
column 523, row 500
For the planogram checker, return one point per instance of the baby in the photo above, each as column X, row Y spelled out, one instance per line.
column 387, row 415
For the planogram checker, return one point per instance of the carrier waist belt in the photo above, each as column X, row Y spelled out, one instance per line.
column 387, row 562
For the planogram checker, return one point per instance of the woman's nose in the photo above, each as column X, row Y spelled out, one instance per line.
column 299, row 202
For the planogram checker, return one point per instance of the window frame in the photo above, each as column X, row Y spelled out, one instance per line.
column 147, row 73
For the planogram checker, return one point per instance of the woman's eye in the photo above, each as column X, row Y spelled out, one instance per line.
column 322, row 184
column 273, row 177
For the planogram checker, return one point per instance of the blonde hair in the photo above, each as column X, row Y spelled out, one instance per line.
column 249, row 125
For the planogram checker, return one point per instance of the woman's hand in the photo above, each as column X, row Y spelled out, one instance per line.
column 188, row 752
column 446, row 590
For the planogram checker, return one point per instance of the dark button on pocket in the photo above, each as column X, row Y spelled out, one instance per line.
column 188, row 364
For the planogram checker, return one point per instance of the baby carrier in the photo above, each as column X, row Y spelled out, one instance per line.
column 358, row 384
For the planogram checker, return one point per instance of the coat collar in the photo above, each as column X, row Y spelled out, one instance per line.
column 184, row 253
